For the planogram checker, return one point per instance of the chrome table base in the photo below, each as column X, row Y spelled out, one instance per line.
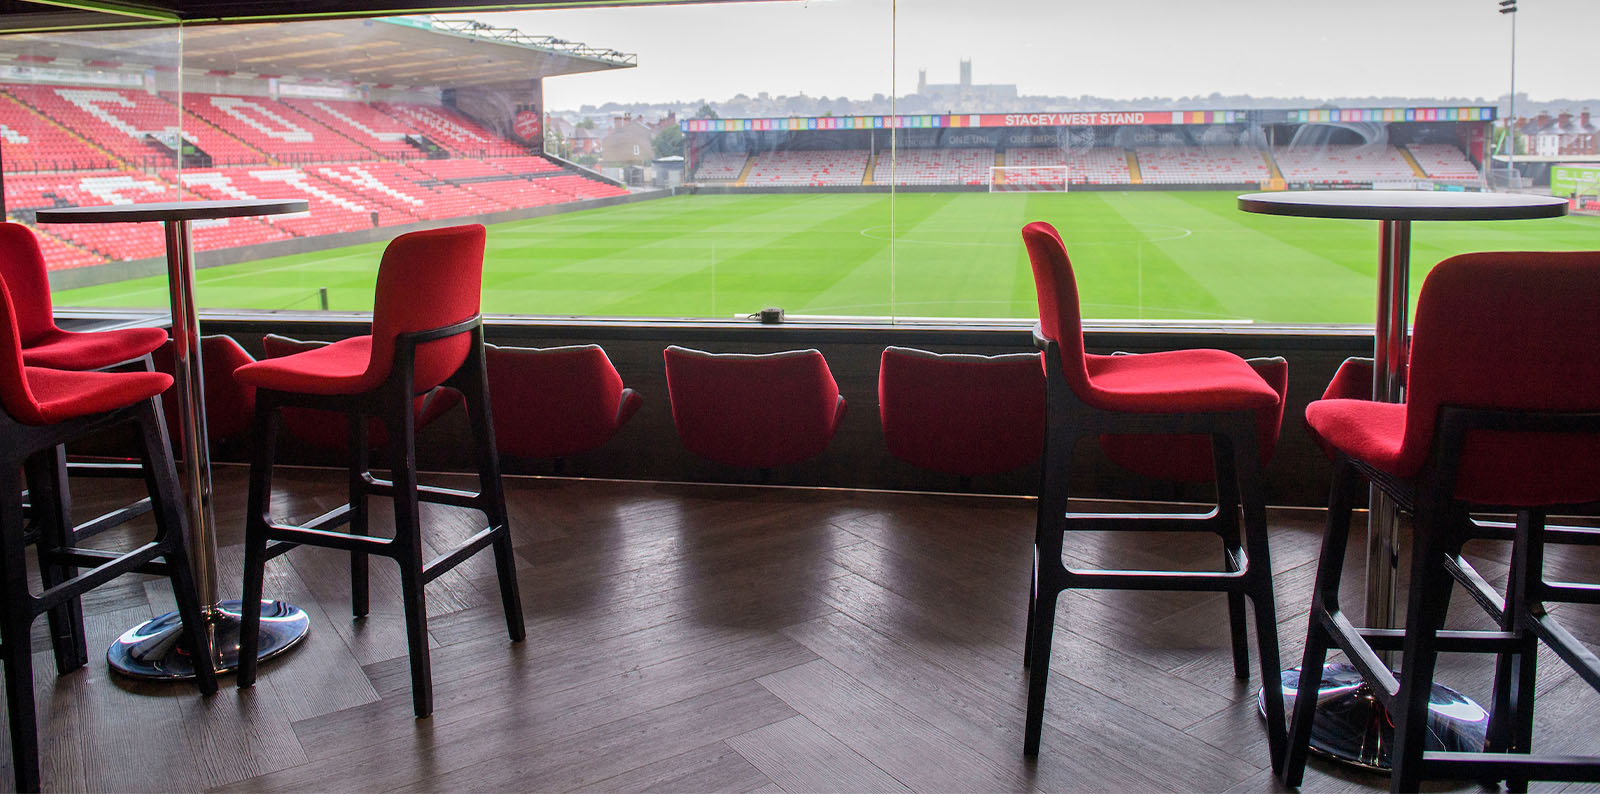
column 1353, row 728
column 155, row 649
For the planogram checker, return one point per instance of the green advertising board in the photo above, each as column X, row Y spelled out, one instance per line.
column 1574, row 179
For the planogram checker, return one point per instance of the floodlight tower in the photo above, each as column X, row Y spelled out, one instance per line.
column 1509, row 7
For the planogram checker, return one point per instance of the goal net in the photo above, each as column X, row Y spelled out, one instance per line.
column 1028, row 179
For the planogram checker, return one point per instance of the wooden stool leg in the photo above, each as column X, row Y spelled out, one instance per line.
column 15, row 628
column 1228, row 528
column 1427, row 603
column 1325, row 595
column 1258, row 577
column 408, row 545
column 1511, row 719
column 491, row 490
column 47, row 490
column 258, row 514
column 359, row 467
column 161, row 482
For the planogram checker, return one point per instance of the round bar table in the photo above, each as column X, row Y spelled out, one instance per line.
column 1351, row 725
column 153, row 649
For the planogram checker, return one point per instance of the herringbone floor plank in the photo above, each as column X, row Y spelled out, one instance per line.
column 728, row 639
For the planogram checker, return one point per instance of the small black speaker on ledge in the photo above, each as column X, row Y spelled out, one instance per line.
column 772, row 315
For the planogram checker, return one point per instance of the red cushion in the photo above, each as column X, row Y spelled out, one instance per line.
column 1363, row 429
column 1188, row 457
column 26, row 275
column 965, row 415
column 1352, row 381
column 756, row 411
column 337, row 368
column 58, row 349
column 1177, row 381
column 61, row 395
column 555, row 402
column 329, row 429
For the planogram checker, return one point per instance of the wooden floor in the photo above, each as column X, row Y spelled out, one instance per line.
column 713, row 638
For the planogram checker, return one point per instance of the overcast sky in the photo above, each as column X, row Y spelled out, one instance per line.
column 1113, row 48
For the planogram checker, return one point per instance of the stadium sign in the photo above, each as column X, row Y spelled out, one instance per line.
column 1095, row 119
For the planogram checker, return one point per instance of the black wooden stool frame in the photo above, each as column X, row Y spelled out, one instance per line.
column 1442, row 526
column 391, row 403
column 37, row 450
column 1247, row 568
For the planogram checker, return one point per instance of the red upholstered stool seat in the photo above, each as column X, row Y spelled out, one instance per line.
column 91, row 349
column 329, row 429
column 1188, row 457
column 59, row 395
column 1182, row 381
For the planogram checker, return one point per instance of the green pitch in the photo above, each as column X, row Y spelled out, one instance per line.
column 1138, row 255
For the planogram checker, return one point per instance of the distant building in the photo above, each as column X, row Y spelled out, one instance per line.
column 964, row 95
column 1561, row 136
column 628, row 144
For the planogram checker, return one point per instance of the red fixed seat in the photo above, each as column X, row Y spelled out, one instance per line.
column 753, row 410
column 230, row 405
column 961, row 414
column 1502, row 413
column 1208, row 392
column 556, row 402
column 426, row 333
column 44, row 409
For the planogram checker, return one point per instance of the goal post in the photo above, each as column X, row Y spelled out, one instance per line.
column 1028, row 179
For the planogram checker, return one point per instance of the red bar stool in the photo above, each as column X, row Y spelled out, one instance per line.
column 1502, row 413
column 753, row 411
column 961, row 414
column 1184, row 392
column 426, row 332
column 44, row 344
column 556, row 402
column 43, row 409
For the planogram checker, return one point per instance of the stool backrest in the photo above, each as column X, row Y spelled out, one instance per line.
column 965, row 415
column 428, row 279
column 1509, row 331
column 750, row 410
column 15, row 396
column 1059, row 313
column 23, row 267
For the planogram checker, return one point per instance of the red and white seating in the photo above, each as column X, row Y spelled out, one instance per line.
column 32, row 142
column 282, row 132
column 451, row 130
column 1342, row 163
column 362, row 123
column 933, row 167
column 720, row 166
column 1201, row 165
column 808, row 167
column 1444, row 161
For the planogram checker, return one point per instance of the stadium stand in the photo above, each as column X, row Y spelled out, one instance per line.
column 332, row 209
column 30, row 141
column 526, row 165
column 361, row 123
column 271, row 126
column 449, row 129
column 1443, row 161
column 934, row 167
column 721, row 166
column 809, row 167
column 125, row 123
column 1201, row 165
column 1097, row 166
column 1335, row 164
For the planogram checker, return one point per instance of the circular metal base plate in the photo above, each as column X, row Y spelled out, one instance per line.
column 1352, row 726
column 157, row 649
